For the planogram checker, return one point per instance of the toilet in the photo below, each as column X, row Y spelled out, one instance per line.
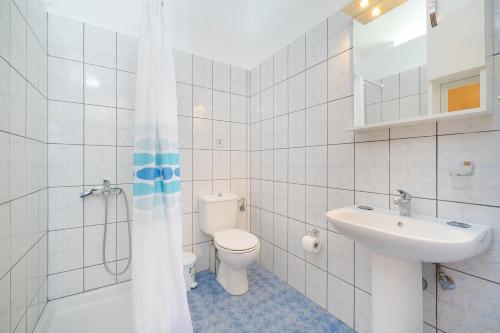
column 236, row 248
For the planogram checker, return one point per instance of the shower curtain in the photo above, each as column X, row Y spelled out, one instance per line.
column 159, row 301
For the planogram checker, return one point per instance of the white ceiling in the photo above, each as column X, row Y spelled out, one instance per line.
column 239, row 32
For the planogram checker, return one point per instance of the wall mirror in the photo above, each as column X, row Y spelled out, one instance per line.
column 417, row 61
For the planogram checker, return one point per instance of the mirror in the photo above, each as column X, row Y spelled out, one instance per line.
column 410, row 65
column 390, row 58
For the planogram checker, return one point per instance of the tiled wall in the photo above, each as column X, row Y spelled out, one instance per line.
column 304, row 163
column 23, row 164
column 212, row 116
column 90, row 133
column 401, row 96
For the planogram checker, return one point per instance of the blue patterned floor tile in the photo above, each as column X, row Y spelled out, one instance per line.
column 270, row 306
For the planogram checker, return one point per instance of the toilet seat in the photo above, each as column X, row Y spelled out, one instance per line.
column 236, row 241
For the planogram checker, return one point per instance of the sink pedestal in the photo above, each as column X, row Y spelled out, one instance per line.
column 397, row 300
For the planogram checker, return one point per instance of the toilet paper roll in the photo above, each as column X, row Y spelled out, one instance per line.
column 310, row 244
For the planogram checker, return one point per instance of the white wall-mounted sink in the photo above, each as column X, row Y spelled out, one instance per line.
column 417, row 238
column 399, row 245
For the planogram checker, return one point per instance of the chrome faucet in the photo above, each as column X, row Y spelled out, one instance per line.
column 404, row 203
column 104, row 189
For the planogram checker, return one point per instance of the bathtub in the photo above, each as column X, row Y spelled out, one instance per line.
column 104, row 310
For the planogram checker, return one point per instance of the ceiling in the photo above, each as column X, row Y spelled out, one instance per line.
column 239, row 32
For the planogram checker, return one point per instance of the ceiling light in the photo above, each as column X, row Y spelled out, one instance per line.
column 364, row 3
column 376, row 11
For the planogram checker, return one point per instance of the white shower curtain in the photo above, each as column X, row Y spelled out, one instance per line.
column 159, row 301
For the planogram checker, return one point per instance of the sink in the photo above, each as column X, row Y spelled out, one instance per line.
column 399, row 245
column 417, row 238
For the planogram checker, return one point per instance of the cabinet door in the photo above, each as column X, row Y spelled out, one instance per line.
column 457, row 43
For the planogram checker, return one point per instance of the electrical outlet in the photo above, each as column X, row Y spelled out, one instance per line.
column 219, row 143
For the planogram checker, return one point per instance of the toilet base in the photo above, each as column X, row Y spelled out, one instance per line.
column 233, row 280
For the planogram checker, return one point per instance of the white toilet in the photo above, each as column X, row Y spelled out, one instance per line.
column 236, row 248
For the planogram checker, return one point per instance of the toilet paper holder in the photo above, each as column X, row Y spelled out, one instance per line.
column 313, row 233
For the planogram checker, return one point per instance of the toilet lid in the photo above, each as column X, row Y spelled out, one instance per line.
column 236, row 240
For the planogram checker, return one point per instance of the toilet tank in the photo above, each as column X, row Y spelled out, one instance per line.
column 218, row 212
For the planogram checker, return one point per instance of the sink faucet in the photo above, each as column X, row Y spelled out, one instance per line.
column 404, row 203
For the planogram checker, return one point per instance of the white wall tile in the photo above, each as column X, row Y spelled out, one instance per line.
column 99, row 164
column 202, row 103
column 340, row 81
column 100, row 46
column 316, row 44
column 65, row 165
column 281, row 132
column 281, row 65
column 126, row 53
column 362, row 312
column 93, row 242
column 4, row 167
column 65, row 208
column 238, row 108
column 4, row 92
column 65, row 284
column 238, row 164
column 65, row 38
column 124, row 132
column 297, row 92
column 281, row 165
column 17, row 40
column 5, row 235
column 296, row 202
column 316, row 206
column 409, row 107
column 319, row 259
column 185, row 125
column 458, row 312
column 266, row 255
column 255, row 108
column 5, row 29
column 238, row 81
column 316, row 166
column 65, row 123
column 125, row 90
column 339, row 33
column 97, row 276
column 316, row 285
column 281, row 98
column 316, row 85
column 340, row 118
column 341, row 300
column 5, row 302
column 341, row 166
column 363, row 268
column 413, row 166
column 266, row 166
column 222, row 164
column 475, row 147
column 341, row 257
column 280, row 263
column 316, row 125
column 372, row 166
column 296, row 231
column 409, row 82
column 267, row 104
column 18, row 95
column 255, row 80
column 297, row 56
column 297, row 129
column 221, row 131
column 238, row 136
column 267, row 195
column 124, row 165
column 267, row 73
column 65, row 250
column 100, row 86
column 202, row 133
column 221, row 105
column 297, row 273
column 18, row 291
column 221, row 76
column 202, row 164
column 100, row 125
column 297, row 165
column 202, row 72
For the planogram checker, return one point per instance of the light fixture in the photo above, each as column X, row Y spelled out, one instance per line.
column 376, row 11
column 364, row 3
column 365, row 11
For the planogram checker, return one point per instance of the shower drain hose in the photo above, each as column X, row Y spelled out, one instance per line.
column 106, row 195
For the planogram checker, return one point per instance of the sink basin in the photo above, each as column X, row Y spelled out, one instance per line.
column 399, row 245
column 417, row 238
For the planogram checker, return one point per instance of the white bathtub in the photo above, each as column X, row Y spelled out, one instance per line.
column 105, row 310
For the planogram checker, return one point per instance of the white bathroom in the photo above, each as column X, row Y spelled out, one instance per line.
column 249, row 166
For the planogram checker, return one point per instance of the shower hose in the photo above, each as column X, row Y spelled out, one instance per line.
column 106, row 204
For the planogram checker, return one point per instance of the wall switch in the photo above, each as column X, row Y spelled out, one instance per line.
column 219, row 143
